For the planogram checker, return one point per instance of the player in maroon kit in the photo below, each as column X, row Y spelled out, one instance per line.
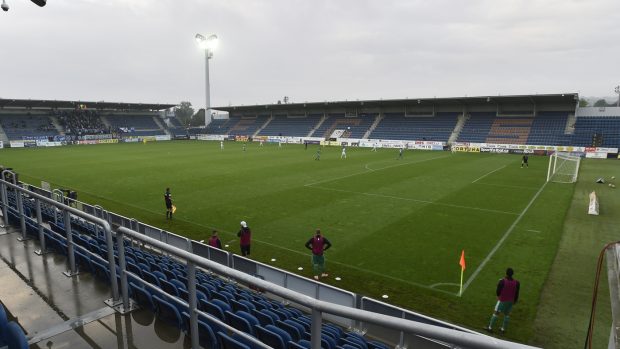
column 214, row 240
column 318, row 244
column 507, row 296
column 245, row 236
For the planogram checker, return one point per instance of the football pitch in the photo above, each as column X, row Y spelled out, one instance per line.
column 397, row 226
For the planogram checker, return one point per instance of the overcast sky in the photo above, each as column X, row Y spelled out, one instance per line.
column 312, row 50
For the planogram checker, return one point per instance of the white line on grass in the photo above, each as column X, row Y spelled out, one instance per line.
column 277, row 246
column 444, row 284
column 501, row 241
column 371, row 170
column 534, row 231
column 479, row 178
column 368, row 168
column 416, row 200
column 507, row 186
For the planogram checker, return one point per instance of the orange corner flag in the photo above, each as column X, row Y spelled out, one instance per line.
column 462, row 263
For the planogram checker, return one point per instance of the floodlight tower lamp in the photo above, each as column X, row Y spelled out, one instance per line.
column 208, row 43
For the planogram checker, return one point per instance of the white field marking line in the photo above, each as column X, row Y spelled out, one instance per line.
column 506, row 185
column 368, row 168
column 282, row 247
column 383, row 168
column 444, row 284
column 497, row 169
column 416, row 200
column 534, row 231
column 501, row 241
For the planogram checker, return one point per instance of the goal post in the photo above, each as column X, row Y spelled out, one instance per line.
column 563, row 168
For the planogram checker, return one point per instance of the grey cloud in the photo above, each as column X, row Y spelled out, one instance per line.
column 143, row 50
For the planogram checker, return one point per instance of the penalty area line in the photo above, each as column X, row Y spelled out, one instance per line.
column 372, row 170
column 481, row 177
column 501, row 241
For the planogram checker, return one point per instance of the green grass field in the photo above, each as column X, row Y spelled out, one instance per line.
column 397, row 226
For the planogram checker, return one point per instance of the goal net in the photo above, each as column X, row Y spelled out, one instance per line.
column 563, row 168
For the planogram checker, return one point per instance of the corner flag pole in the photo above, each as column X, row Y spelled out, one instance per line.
column 462, row 263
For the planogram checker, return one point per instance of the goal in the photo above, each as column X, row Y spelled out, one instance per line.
column 563, row 168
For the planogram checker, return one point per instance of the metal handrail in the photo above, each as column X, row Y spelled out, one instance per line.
column 317, row 306
column 70, row 211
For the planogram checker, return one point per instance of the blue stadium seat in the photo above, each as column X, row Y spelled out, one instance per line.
column 263, row 318
column 169, row 287
column 213, row 308
column 231, row 343
column 15, row 338
column 167, row 312
column 4, row 322
column 270, row 338
column 296, row 332
column 240, row 323
column 141, row 296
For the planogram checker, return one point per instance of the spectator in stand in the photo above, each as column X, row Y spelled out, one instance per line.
column 245, row 237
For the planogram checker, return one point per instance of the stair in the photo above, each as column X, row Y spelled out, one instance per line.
column 316, row 127
column 263, row 126
column 570, row 124
column 161, row 125
column 460, row 123
column 57, row 125
column 373, row 126
column 3, row 137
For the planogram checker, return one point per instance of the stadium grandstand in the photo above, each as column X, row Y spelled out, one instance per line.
column 130, row 284
column 550, row 120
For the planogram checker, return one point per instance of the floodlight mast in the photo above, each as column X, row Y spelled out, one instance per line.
column 208, row 44
column 617, row 90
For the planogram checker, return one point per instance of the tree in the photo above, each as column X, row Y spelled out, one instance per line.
column 601, row 103
column 583, row 102
column 199, row 118
column 184, row 112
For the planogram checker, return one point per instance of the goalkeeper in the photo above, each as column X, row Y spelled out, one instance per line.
column 524, row 161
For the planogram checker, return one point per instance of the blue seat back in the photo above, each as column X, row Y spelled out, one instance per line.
column 240, row 323
column 231, row 343
column 167, row 312
column 293, row 331
column 15, row 338
column 270, row 338
column 4, row 322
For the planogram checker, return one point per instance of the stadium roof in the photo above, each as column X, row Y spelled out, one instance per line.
column 40, row 103
column 563, row 98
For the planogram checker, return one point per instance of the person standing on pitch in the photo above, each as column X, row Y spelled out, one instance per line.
column 245, row 237
column 214, row 240
column 400, row 153
column 168, row 201
column 305, row 145
column 318, row 244
column 374, row 146
column 524, row 161
column 507, row 295
column 221, row 145
column 317, row 156
column 343, row 155
column 243, row 146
